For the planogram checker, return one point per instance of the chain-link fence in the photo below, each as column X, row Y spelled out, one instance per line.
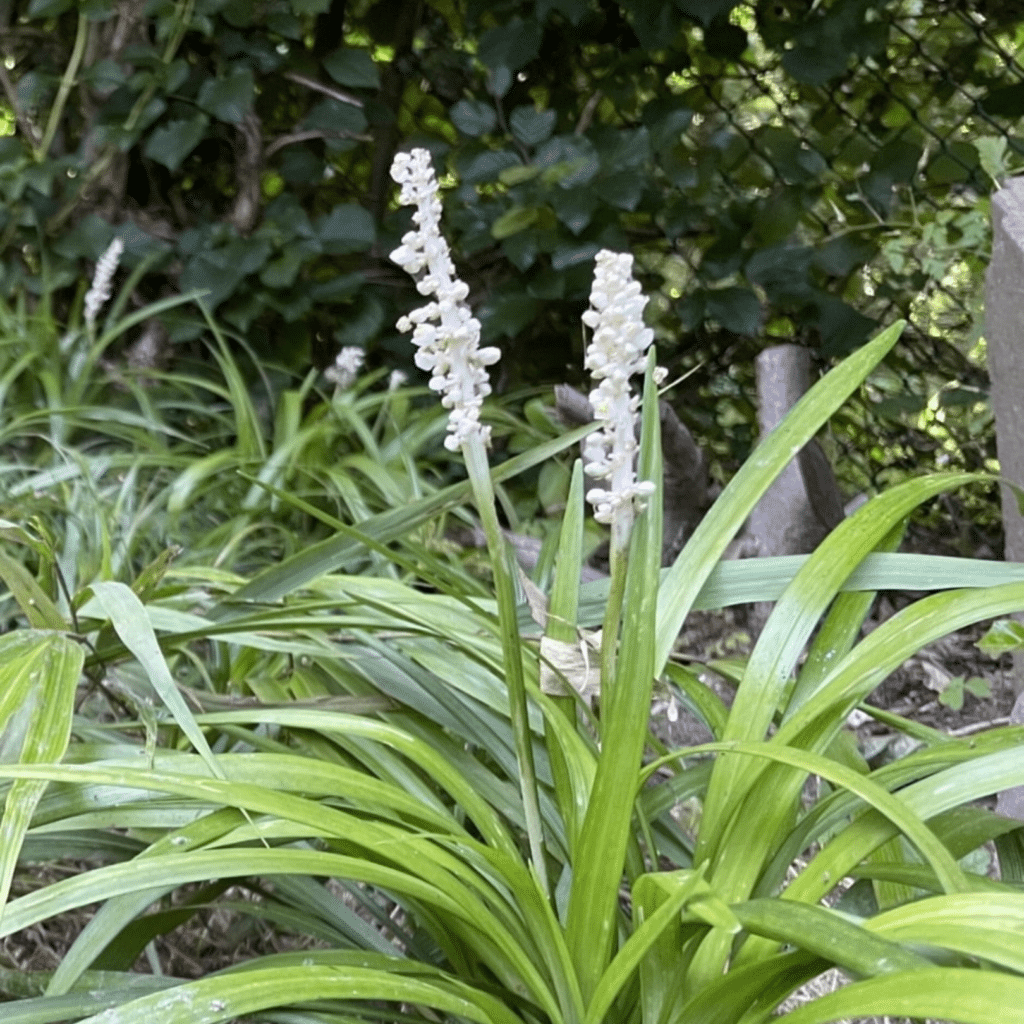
column 878, row 171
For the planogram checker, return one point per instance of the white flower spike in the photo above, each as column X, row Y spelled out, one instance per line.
column 99, row 292
column 445, row 332
column 616, row 352
column 347, row 365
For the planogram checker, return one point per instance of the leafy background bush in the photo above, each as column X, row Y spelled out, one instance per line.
column 783, row 172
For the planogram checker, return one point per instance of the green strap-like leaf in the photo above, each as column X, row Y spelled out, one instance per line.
column 329, row 555
column 227, row 997
column 942, row 993
column 39, row 672
column 707, row 545
column 127, row 614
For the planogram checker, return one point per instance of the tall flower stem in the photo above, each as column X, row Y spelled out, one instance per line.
column 625, row 712
column 475, row 454
column 447, row 340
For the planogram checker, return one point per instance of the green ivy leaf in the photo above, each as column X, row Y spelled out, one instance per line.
column 175, row 75
column 473, row 117
column 623, row 190
column 531, row 126
column 499, row 81
column 666, row 120
column 953, row 694
column 337, row 289
column 736, row 309
column 88, row 238
column 518, row 175
column 365, row 321
column 172, row 142
column 842, row 328
column 574, row 208
column 1004, row 102
column 12, row 150
column 508, row 314
column 979, row 687
column 220, row 271
column 568, row 160
column 572, row 10
column 354, row 68
column 333, row 116
column 956, row 162
column 519, row 218
column 230, row 98
column 281, row 272
column 566, row 256
column 782, row 270
column 521, row 250
column 241, row 13
column 347, row 228
column 655, row 22
column 283, row 24
column 487, row 166
column 842, row 254
column 790, row 156
column 778, row 215
column 511, row 45
column 706, row 11
column 724, row 40
column 105, row 75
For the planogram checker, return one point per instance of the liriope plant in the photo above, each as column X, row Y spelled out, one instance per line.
column 482, row 789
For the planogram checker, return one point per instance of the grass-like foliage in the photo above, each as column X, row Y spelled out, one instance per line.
column 449, row 784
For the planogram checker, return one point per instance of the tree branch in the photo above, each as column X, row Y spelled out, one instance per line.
column 327, row 90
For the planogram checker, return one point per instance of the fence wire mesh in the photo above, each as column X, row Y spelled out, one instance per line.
column 875, row 169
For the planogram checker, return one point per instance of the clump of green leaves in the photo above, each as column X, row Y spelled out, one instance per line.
column 469, row 763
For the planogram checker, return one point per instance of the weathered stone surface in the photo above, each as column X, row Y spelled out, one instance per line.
column 1004, row 335
column 804, row 503
column 1010, row 802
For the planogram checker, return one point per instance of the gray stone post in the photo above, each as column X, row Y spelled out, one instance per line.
column 1004, row 336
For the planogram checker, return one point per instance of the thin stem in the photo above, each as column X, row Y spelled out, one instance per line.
column 610, row 626
column 475, row 455
column 66, row 84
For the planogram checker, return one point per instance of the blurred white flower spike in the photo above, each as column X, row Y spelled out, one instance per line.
column 99, row 292
column 347, row 364
column 616, row 352
column 445, row 332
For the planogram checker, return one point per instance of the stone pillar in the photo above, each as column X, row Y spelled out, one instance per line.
column 1004, row 336
column 804, row 503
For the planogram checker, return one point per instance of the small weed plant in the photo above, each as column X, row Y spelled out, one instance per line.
column 445, row 792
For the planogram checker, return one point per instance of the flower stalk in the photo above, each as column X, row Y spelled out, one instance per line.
column 447, row 338
column 616, row 353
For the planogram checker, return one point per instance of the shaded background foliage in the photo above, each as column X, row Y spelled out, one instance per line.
column 783, row 171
